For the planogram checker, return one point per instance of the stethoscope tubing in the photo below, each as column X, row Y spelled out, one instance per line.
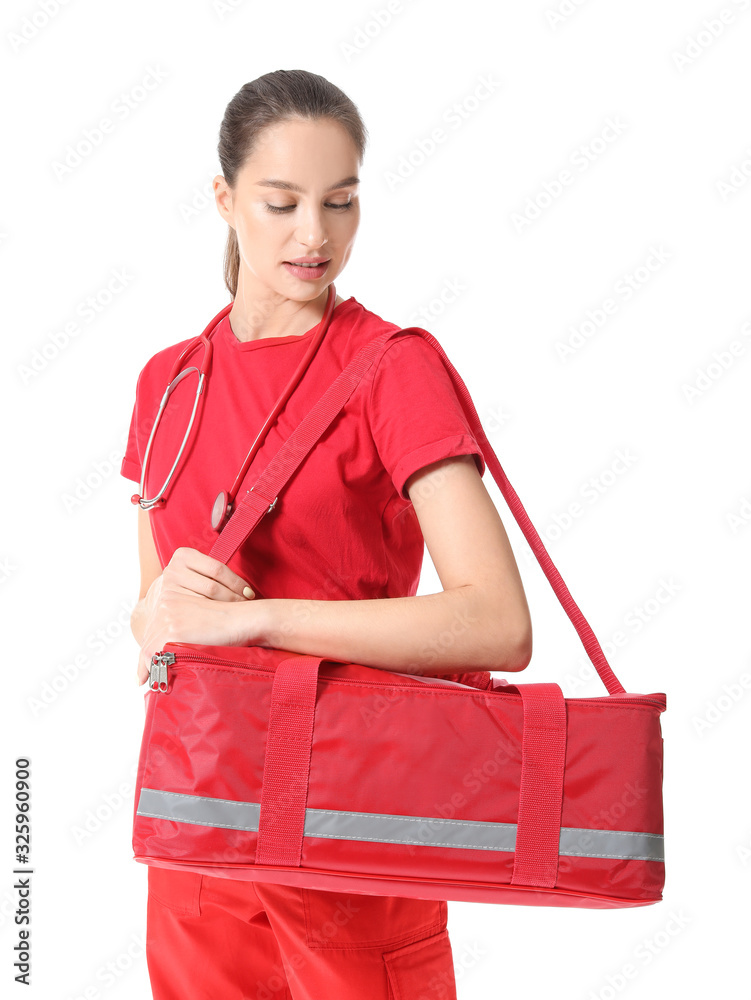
column 305, row 361
column 175, row 377
column 225, row 500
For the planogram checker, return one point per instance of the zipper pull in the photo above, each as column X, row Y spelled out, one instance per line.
column 158, row 680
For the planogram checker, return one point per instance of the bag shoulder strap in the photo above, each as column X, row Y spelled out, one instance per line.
column 263, row 495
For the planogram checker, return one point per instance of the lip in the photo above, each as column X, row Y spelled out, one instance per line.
column 307, row 260
column 308, row 273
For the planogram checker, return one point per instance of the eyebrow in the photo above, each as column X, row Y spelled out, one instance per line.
column 287, row 186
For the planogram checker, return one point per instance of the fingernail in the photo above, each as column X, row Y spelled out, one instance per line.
column 247, row 592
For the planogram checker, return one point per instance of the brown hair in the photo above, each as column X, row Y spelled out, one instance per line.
column 270, row 99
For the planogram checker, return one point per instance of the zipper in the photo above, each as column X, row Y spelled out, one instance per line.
column 158, row 679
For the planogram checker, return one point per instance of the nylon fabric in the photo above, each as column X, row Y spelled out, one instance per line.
column 442, row 834
column 281, row 822
column 538, row 830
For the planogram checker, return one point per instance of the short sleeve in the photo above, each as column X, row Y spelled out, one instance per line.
column 131, row 463
column 416, row 416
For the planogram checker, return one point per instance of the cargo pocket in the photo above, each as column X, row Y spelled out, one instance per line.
column 179, row 891
column 337, row 920
column 423, row 970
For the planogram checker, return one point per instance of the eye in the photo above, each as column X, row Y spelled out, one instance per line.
column 289, row 208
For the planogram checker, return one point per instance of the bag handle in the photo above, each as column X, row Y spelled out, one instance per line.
column 263, row 495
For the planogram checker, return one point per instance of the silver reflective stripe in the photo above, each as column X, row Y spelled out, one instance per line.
column 384, row 829
column 198, row 809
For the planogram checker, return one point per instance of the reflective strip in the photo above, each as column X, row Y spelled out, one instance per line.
column 198, row 809
column 413, row 830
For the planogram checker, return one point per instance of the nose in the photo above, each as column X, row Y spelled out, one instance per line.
column 311, row 231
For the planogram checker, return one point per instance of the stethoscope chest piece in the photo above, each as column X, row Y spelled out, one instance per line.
column 220, row 510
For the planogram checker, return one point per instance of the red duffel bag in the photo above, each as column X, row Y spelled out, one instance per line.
column 266, row 765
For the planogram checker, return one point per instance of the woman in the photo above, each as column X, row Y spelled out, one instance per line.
column 399, row 468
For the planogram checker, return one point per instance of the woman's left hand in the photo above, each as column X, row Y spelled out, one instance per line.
column 182, row 616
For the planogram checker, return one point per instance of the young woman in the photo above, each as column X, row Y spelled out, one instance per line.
column 334, row 571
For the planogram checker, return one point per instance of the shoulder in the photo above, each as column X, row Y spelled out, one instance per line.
column 156, row 370
column 406, row 344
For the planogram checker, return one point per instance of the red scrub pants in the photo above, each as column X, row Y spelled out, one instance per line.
column 213, row 938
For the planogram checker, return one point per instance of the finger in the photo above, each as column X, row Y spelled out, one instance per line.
column 208, row 577
column 191, row 581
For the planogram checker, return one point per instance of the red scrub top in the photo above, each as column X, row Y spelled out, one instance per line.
column 343, row 527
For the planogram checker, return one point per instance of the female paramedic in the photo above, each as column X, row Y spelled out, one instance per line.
column 398, row 469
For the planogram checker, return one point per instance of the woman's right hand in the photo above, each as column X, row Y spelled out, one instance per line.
column 192, row 571
column 189, row 573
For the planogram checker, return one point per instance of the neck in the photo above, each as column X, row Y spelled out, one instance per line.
column 255, row 317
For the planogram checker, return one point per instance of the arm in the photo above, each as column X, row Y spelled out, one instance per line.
column 150, row 571
column 479, row 621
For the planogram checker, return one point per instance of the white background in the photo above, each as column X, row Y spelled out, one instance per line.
column 678, row 93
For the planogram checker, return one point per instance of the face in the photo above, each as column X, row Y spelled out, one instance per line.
column 310, row 210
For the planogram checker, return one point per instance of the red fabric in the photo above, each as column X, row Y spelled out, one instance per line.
column 220, row 700
column 344, row 528
column 538, row 827
column 215, row 937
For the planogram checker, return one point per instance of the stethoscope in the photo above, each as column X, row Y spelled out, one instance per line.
column 225, row 499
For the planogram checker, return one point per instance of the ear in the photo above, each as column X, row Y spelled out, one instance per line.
column 223, row 199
